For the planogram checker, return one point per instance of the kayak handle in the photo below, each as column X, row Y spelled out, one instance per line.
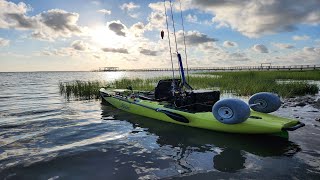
column 299, row 125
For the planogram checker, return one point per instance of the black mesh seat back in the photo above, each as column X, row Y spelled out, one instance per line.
column 163, row 89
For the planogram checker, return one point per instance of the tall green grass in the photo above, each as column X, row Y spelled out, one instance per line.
column 240, row 83
column 81, row 90
column 250, row 82
column 137, row 84
column 293, row 75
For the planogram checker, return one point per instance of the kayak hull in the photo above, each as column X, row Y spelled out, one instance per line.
column 257, row 123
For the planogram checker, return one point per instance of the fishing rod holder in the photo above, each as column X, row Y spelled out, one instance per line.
column 183, row 77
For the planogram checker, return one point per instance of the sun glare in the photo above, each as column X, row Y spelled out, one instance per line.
column 103, row 37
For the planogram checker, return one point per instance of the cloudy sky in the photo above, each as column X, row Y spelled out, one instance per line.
column 60, row 35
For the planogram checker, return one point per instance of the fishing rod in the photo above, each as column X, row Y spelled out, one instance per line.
column 184, row 40
column 182, row 74
column 162, row 34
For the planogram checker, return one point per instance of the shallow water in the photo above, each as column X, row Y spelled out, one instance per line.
column 42, row 136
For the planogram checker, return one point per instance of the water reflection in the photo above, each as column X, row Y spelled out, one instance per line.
column 229, row 160
column 186, row 146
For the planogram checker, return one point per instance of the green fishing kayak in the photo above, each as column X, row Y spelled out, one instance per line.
column 257, row 123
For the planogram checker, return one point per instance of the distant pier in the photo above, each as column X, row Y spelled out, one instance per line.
column 234, row 68
column 109, row 69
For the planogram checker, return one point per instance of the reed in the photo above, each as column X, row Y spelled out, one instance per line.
column 240, row 83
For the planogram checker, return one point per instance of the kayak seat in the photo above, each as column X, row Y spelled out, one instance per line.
column 163, row 89
column 198, row 100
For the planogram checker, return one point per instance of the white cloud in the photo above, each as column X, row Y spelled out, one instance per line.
column 148, row 52
column 311, row 49
column 41, row 36
column 117, row 27
column 255, row 18
column 194, row 38
column 159, row 6
column 229, row 44
column 300, row 38
column 260, row 48
column 60, row 22
column 192, row 18
column 212, row 55
column 115, row 50
column 104, row 11
column 57, row 23
column 137, row 29
column 156, row 20
column 64, row 52
column 209, row 47
column 237, row 56
column 283, row 46
column 45, row 53
column 306, row 55
column 4, row 42
column 77, row 48
column 80, row 45
column 129, row 8
column 47, row 25
column 14, row 16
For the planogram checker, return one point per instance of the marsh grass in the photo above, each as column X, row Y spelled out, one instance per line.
column 293, row 75
column 240, row 83
column 137, row 84
column 81, row 90
column 87, row 90
column 250, row 82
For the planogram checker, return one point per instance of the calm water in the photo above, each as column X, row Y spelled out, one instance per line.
column 42, row 136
